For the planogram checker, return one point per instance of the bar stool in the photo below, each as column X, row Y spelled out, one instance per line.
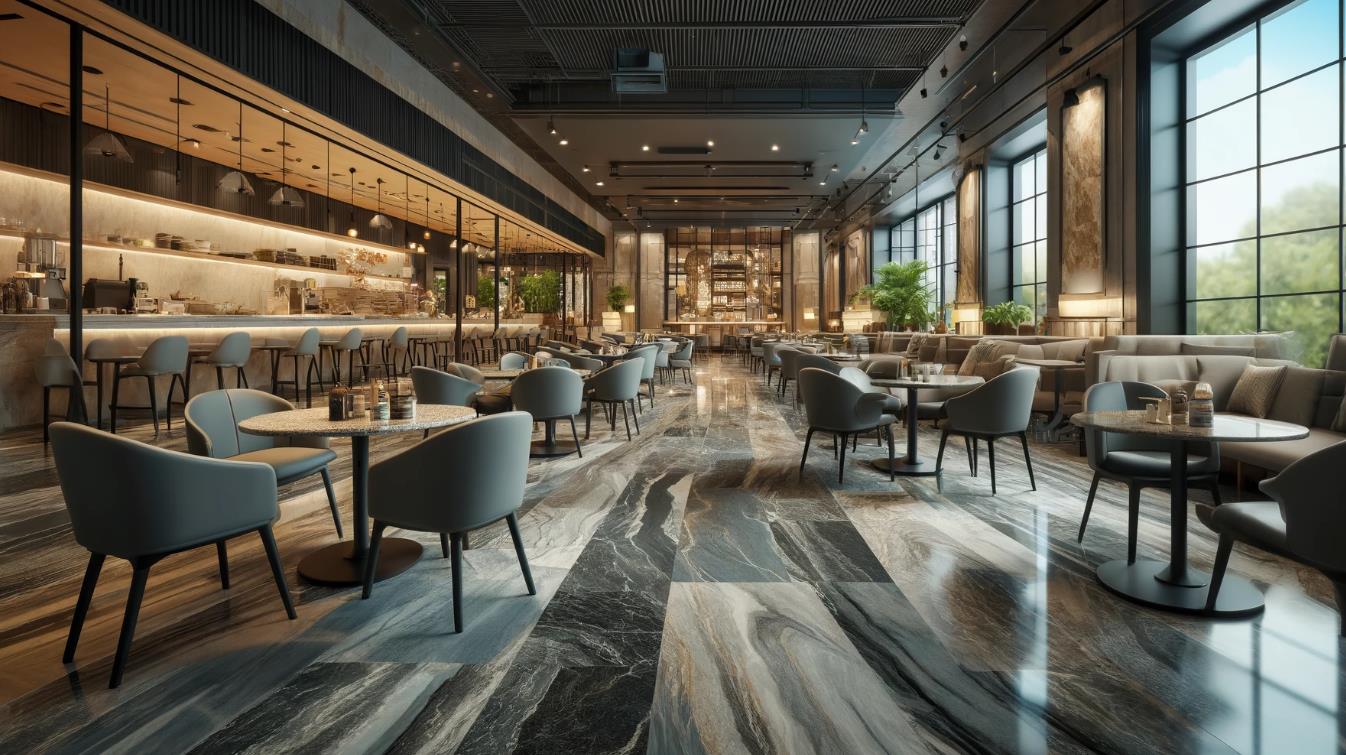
column 55, row 369
column 397, row 352
column 306, row 347
column 166, row 355
column 232, row 351
column 349, row 344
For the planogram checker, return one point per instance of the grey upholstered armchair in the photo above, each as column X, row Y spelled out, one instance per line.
column 133, row 501
column 1303, row 521
column 487, row 459
column 486, row 402
column 548, row 394
column 998, row 408
column 435, row 387
column 166, row 355
column 682, row 360
column 212, row 430
column 649, row 356
column 1136, row 460
column 618, row 384
column 804, row 360
column 514, row 361
column 835, row 405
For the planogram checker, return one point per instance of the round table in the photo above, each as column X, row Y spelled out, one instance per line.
column 1175, row 586
column 342, row 564
column 912, row 465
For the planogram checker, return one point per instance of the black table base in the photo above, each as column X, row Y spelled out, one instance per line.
column 338, row 566
column 550, row 447
column 1144, row 582
column 903, row 467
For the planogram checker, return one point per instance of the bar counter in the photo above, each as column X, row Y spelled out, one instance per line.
column 22, row 338
column 718, row 329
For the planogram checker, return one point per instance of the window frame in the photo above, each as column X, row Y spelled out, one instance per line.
column 946, row 257
column 1039, row 276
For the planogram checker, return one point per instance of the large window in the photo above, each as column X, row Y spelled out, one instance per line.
column 1263, row 178
column 1028, row 221
column 931, row 235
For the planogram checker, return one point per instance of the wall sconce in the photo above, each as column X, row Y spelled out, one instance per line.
column 1093, row 307
column 629, row 309
column 810, row 313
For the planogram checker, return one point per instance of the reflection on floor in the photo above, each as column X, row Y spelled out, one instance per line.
column 694, row 594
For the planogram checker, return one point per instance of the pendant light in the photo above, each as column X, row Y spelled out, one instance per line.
column 426, row 234
column 235, row 182
column 352, row 230
column 380, row 222
column 107, row 144
column 286, row 195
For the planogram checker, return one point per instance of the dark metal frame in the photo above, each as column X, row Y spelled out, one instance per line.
column 1013, row 247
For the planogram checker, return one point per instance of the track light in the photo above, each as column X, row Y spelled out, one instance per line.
column 962, row 41
column 551, row 126
column 944, row 72
column 924, row 93
column 564, row 142
column 834, row 167
column 585, row 169
column 1071, row 99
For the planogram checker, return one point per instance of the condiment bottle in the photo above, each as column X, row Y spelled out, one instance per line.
column 1201, row 409
column 336, row 403
column 1180, row 406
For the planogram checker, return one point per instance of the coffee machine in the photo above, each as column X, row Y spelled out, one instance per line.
column 42, row 272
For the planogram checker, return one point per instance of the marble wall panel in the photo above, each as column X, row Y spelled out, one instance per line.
column 1082, row 194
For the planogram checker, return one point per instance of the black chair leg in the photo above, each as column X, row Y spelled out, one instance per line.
column 219, row 377
column 1023, row 439
column 1088, row 506
column 626, row 422
column 990, row 458
column 139, row 576
column 513, row 523
column 1132, row 521
column 635, row 419
column 939, row 457
column 456, row 546
column 277, row 571
column 1217, row 571
column 444, row 544
column 372, row 558
column 1215, row 491
column 588, row 418
column 222, row 554
column 841, row 464
column 91, row 573
column 46, row 415
column 808, row 438
column 892, row 471
column 331, row 502
column 154, row 403
column 116, row 388
column 574, row 432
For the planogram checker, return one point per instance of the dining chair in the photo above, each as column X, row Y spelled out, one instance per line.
column 487, row 459
column 804, row 360
column 233, row 350
column 613, row 386
column 549, row 394
column 1135, row 460
column 166, row 355
column 212, row 430
column 133, row 501
column 56, row 370
column 306, row 348
column 835, row 405
column 682, row 360
column 436, row 387
column 649, row 358
column 998, row 408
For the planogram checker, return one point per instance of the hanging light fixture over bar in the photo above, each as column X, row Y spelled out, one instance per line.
column 107, row 144
column 235, row 182
column 286, row 195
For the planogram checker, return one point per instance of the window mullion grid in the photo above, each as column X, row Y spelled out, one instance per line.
column 1257, row 218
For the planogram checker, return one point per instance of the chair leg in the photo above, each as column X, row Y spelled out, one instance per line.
column 841, row 464
column 626, row 422
column 139, row 576
column 219, row 377
column 456, row 543
column 576, row 434
column 588, row 418
column 1023, row 439
column 892, row 471
column 808, row 438
column 46, row 415
column 222, row 554
column 1217, row 571
column 372, row 558
column 444, row 544
column 513, row 523
column 154, row 404
column 939, row 457
column 990, row 458
column 241, row 379
column 91, row 573
column 1132, row 521
column 1088, row 506
column 116, row 388
column 1215, row 491
column 331, row 502
column 635, row 419
column 277, row 570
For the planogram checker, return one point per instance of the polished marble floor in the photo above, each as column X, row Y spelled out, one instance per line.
column 695, row 594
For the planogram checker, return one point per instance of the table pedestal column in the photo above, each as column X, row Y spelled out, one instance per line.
column 550, row 447
column 911, row 464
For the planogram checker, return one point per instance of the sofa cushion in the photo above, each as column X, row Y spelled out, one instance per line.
column 1297, row 399
column 991, row 368
column 929, row 349
column 1255, row 391
column 1275, row 456
column 914, row 345
column 1032, row 351
column 1070, row 351
column 1207, row 350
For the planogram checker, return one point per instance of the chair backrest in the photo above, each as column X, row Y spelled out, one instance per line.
column 834, row 403
column 649, row 357
column 233, row 349
column 858, row 378
column 466, row 372
column 816, row 361
column 52, row 370
column 486, row 458
column 102, row 347
column 685, row 353
column 399, row 338
column 1310, row 504
column 789, row 363
column 435, row 387
column 53, row 348
column 307, row 345
column 548, row 392
column 586, row 363
column 1001, row 405
column 213, row 417
column 128, row 499
column 166, row 354
column 1118, row 397
column 513, row 361
column 620, row 382
column 351, row 340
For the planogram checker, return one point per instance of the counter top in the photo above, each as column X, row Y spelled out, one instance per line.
column 61, row 321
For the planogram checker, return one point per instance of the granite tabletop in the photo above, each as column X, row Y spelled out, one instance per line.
column 1227, row 427
column 931, row 381
column 315, row 422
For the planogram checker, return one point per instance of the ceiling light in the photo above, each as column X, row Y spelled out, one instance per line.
column 193, row 143
column 351, row 230
column 924, row 93
column 823, row 182
column 107, row 144
column 234, row 182
column 644, row 148
column 600, row 183
column 564, row 142
column 834, row 167
column 864, row 127
column 710, row 142
column 551, row 126
column 286, row 195
column 854, row 141
column 585, row 169
column 775, row 148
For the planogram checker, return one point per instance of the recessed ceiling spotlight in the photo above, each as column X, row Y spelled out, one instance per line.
column 775, row 148
column 854, row 141
column 564, row 141
column 284, row 110
column 675, row 200
column 834, row 167
column 585, row 169
column 476, row 91
column 644, row 148
column 599, row 183
column 710, row 142
column 823, row 182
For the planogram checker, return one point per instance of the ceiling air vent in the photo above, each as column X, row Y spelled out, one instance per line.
column 638, row 71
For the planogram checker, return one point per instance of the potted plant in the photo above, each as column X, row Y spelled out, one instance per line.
column 901, row 293
column 1006, row 317
column 617, row 296
column 486, row 293
column 541, row 292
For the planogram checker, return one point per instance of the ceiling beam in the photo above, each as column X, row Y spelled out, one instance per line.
column 939, row 22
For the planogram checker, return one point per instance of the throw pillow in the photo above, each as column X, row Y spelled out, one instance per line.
column 914, row 344
column 982, row 351
column 1255, row 390
column 994, row 367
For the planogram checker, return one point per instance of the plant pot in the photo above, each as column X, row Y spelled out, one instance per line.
column 1028, row 330
column 997, row 330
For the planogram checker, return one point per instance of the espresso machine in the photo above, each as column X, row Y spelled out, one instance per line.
column 42, row 272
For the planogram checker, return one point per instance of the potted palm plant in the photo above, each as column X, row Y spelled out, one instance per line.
column 901, row 293
column 1005, row 318
column 617, row 296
